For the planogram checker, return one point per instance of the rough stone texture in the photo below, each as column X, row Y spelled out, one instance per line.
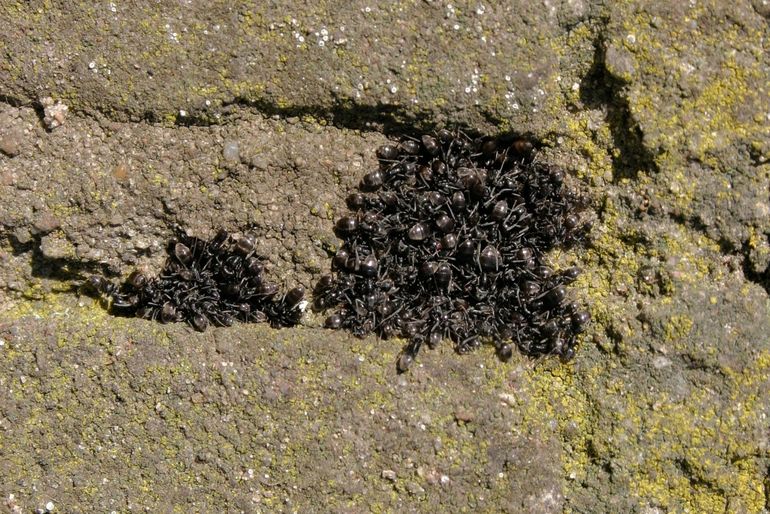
column 204, row 114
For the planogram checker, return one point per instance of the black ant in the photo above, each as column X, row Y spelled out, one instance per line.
column 454, row 230
column 203, row 282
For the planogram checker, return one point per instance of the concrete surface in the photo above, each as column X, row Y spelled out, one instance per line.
column 263, row 115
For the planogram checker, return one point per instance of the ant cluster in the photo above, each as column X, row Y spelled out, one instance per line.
column 447, row 241
column 204, row 283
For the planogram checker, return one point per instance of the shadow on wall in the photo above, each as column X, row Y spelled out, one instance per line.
column 600, row 89
column 60, row 269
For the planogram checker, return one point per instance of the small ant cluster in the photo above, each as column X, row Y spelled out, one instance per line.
column 204, row 283
column 447, row 241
